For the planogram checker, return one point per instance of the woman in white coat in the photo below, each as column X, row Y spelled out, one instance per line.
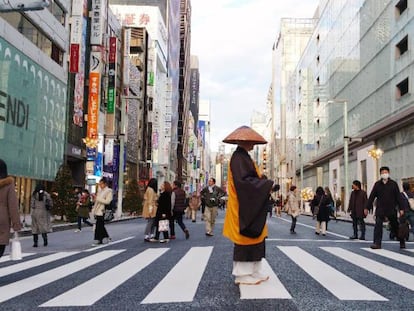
column 293, row 207
column 104, row 197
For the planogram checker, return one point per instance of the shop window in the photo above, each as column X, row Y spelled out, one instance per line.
column 401, row 47
column 400, row 7
column 402, row 88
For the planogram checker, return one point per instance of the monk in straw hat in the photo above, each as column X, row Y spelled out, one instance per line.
column 245, row 221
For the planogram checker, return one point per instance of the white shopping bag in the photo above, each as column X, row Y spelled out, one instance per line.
column 16, row 248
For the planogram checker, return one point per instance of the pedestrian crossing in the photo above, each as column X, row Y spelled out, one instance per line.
column 183, row 280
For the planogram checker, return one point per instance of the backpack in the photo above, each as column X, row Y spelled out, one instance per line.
column 410, row 201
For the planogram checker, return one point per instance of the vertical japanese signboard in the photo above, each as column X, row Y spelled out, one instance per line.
column 96, row 22
column 111, row 75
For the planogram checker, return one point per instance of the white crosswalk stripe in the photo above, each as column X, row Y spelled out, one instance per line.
column 105, row 282
column 271, row 289
column 389, row 273
column 34, row 263
column 23, row 286
column 392, row 255
column 181, row 283
column 340, row 285
column 7, row 258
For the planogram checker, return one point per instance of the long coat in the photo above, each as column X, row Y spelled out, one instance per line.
column 324, row 212
column 149, row 208
column 293, row 203
column 388, row 198
column 40, row 215
column 9, row 209
column 357, row 203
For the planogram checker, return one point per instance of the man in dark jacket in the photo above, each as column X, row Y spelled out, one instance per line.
column 211, row 195
column 178, row 205
column 356, row 206
column 388, row 197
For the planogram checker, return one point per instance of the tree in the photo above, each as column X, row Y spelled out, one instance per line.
column 64, row 201
column 132, row 203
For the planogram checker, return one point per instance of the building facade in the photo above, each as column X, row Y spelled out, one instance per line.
column 353, row 91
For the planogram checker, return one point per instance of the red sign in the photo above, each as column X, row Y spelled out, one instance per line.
column 112, row 49
column 74, row 58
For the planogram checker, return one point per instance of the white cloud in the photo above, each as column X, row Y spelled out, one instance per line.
column 233, row 40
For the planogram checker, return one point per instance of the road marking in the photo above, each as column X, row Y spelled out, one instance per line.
column 181, row 283
column 389, row 273
column 392, row 255
column 271, row 289
column 7, row 258
column 313, row 227
column 23, row 286
column 91, row 291
column 318, row 240
column 34, row 263
column 107, row 244
column 339, row 284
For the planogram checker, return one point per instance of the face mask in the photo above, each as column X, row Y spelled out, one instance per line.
column 385, row 175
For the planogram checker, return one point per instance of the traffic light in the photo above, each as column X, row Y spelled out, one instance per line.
column 264, row 160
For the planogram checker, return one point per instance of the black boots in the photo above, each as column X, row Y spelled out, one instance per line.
column 35, row 239
column 44, row 236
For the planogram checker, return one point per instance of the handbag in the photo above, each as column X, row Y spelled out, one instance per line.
column 403, row 230
column 163, row 225
column 317, row 207
column 16, row 248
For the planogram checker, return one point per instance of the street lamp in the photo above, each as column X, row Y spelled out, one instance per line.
column 376, row 154
column 346, row 141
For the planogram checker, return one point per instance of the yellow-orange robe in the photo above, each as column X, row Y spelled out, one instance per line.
column 248, row 192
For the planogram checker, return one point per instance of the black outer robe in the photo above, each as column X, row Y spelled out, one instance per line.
column 252, row 193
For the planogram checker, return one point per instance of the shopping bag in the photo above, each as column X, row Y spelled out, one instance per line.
column 163, row 225
column 16, row 248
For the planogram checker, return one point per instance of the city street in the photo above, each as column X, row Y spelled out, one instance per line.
column 307, row 271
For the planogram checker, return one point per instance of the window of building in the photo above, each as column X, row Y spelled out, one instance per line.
column 400, row 7
column 401, row 47
column 317, row 59
column 57, row 11
column 317, row 80
column 402, row 88
column 34, row 34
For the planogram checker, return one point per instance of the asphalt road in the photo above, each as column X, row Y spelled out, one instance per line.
column 307, row 272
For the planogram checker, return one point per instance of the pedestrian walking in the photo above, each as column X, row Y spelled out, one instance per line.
column 163, row 211
column 293, row 207
column 103, row 197
column 245, row 220
column 194, row 205
column 274, row 194
column 149, row 208
column 211, row 195
column 178, row 204
column 388, row 198
column 83, row 207
column 320, row 210
column 40, row 204
column 357, row 202
column 9, row 207
column 408, row 198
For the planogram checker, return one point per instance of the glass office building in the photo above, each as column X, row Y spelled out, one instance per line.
column 359, row 55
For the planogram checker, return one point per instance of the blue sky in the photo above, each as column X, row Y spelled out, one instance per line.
column 233, row 40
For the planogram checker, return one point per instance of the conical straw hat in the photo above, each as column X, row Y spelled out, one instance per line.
column 244, row 134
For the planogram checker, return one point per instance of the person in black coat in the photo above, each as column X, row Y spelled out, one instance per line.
column 408, row 211
column 163, row 211
column 320, row 209
column 357, row 202
column 388, row 197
